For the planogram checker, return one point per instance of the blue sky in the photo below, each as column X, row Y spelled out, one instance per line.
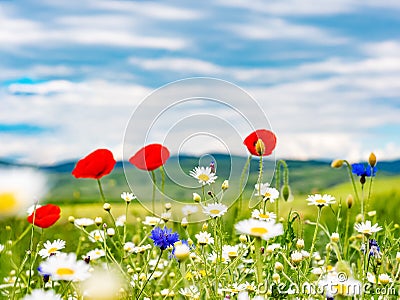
column 73, row 72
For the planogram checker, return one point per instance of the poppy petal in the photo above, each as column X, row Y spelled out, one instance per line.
column 268, row 137
column 96, row 165
column 45, row 216
column 150, row 157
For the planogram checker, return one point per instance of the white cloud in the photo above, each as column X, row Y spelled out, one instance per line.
column 180, row 65
column 308, row 7
column 280, row 29
column 21, row 32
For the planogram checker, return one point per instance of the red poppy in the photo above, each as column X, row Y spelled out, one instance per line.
column 96, row 165
column 268, row 138
column 45, row 216
column 150, row 157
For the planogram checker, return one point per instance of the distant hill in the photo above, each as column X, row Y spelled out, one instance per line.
column 305, row 176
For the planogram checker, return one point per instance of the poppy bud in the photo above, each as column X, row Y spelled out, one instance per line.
column 260, row 147
column 349, row 201
column 372, row 160
column 285, row 192
column 337, row 163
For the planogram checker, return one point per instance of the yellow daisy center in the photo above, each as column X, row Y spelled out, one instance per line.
column 366, row 231
column 204, row 177
column 258, row 230
column 232, row 253
column 7, row 202
column 320, row 201
column 264, row 216
column 214, row 211
column 267, row 195
column 52, row 250
column 65, row 271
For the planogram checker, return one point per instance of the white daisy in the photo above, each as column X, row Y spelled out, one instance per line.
column 83, row 222
column 230, row 252
column 262, row 229
column 96, row 236
column 267, row 192
column 42, row 295
column 1, row 248
column 264, row 216
column 51, row 248
column 215, row 210
column 204, row 238
column 192, row 292
column 152, row 221
column 120, row 221
column 65, row 267
column 204, row 175
column 320, row 200
column 18, row 190
column 128, row 197
column 188, row 210
column 367, row 228
column 271, row 248
column 129, row 247
column 95, row 254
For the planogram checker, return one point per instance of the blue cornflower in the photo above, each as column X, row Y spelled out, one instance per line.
column 362, row 170
column 164, row 238
column 374, row 249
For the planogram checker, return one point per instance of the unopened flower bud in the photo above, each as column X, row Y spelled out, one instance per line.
column 205, row 226
column 260, row 147
column 296, row 257
column 335, row 237
column 98, row 221
column 196, row 197
column 243, row 238
column 359, row 218
column 285, row 192
column 276, row 278
column 372, row 160
column 278, row 266
column 8, row 228
column 184, row 222
column 398, row 256
column 349, row 201
column 110, row 232
column 300, row 244
column 171, row 275
column 371, row 213
column 107, row 206
column 168, row 206
column 225, row 185
column 71, row 219
column 384, row 279
column 337, row 163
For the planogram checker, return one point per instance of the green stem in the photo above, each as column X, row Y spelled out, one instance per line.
column 346, row 233
column 147, row 280
column 352, row 179
column 257, row 245
column 153, row 197
column 101, row 191
column 314, row 237
column 241, row 188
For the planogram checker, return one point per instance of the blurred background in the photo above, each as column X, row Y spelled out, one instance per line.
column 326, row 76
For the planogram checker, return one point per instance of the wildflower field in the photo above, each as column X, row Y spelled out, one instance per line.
column 329, row 245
